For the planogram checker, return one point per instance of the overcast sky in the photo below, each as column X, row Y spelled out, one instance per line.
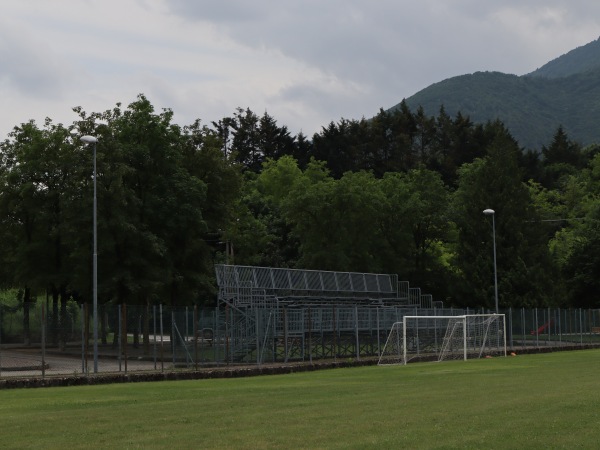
column 305, row 62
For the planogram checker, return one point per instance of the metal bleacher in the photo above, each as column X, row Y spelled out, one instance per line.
column 249, row 286
column 279, row 313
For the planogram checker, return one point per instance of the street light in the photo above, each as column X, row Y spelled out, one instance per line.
column 491, row 212
column 92, row 140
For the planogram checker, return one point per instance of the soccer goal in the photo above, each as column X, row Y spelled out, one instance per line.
column 439, row 338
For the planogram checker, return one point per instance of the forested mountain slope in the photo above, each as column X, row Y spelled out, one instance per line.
column 566, row 92
column 580, row 60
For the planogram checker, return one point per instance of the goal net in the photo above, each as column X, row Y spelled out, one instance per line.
column 439, row 338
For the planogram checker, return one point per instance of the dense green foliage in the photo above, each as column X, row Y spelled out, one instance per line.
column 162, row 193
column 534, row 401
column 563, row 93
column 400, row 193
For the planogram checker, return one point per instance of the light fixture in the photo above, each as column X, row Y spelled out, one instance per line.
column 93, row 140
column 491, row 212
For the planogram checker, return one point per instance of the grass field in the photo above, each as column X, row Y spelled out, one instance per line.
column 534, row 401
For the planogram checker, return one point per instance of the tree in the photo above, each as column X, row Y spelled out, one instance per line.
column 423, row 145
column 302, row 150
column 582, row 265
column 334, row 146
column 260, row 233
column 382, row 144
column 274, row 141
column 560, row 159
column 204, row 163
column 337, row 221
column 251, row 139
column 163, row 192
column 429, row 225
column 576, row 247
column 524, row 266
column 38, row 167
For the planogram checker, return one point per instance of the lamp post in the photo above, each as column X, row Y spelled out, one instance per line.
column 491, row 212
column 93, row 140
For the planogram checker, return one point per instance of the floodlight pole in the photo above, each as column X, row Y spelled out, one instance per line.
column 93, row 140
column 491, row 212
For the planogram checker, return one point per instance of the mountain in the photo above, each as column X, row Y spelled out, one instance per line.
column 583, row 59
column 565, row 91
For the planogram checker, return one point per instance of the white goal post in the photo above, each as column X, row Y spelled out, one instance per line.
column 440, row 338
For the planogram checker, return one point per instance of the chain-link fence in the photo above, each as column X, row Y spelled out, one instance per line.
column 37, row 340
column 42, row 339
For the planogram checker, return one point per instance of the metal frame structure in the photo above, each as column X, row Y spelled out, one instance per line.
column 278, row 314
column 257, row 286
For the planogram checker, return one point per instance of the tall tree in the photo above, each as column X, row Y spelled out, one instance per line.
column 523, row 264
column 336, row 222
column 576, row 247
column 251, row 139
column 429, row 225
column 561, row 158
column 163, row 194
column 204, row 164
column 38, row 166
column 423, row 146
column 334, row 145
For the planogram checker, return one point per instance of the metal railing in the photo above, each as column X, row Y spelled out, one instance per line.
column 41, row 341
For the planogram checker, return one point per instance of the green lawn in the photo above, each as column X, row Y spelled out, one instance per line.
column 534, row 401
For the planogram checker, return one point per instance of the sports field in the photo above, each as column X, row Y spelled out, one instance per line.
column 534, row 401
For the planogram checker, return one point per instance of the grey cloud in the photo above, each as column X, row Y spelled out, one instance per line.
column 353, row 38
column 358, row 56
column 392, row 49
column 325, row 105
column 29, row 67
column 222, row 12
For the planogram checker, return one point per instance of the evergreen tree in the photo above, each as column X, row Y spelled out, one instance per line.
column 523, row 264
column 563, row 157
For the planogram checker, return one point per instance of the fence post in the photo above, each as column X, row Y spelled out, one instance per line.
column 43, row 342
column 257, row 326
column 154, row 332
column 119, row 336
column 195, row 333
column 560, row 331
column 581, row 325
column 523, row 328
column 334, row 335
column 124, row 323
column 162, row 355
column 0, row 342
column 571, row 321
column 536, row 326
column 551, row 326
column 216, row 334
column 509, row 327
column 82, row 339
column 309, row 335
column 186, row 337
column 227, row 333
column 357, row 338
column 285, row 335
column 173, row 336
column 546, row 324
column 86, row 309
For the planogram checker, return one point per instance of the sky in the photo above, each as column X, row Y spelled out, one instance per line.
column 304, row 62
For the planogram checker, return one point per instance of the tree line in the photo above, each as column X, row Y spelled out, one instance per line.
column 401, row 193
